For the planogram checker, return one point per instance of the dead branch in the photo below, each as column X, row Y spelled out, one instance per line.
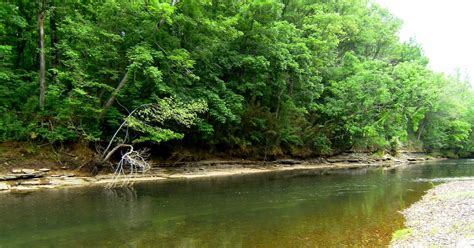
column 134, row 161
column 107, row 157
column 104, row 153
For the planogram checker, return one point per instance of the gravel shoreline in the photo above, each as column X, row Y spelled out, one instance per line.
column 443, row 218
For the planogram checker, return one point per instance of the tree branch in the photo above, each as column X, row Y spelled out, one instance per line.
column 120, row 127
column 114, row 94
column 107, row 157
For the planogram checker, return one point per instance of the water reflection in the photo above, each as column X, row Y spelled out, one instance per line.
column 272, row 210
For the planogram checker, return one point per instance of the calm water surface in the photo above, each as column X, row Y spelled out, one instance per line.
column 272, row 210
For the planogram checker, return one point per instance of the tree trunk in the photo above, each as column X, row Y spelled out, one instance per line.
column 411, row 129
column 420, row 130
column 21, row 40
column 42, row 62
column 54, row 35
column 109, row 154
column 105, row 152
column 377, row 50
column 112, row 97
column 162, row 21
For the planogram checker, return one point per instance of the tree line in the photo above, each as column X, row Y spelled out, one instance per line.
column 266, row 77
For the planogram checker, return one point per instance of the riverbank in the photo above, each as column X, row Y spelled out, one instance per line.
column 25, row 180
column 443, row 218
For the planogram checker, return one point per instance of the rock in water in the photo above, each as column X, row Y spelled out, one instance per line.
column 44, row 170
column 16, row 171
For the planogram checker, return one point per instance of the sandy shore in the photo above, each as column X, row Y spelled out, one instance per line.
column 443, row 218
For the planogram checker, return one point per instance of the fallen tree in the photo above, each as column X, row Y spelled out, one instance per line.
column 149, row 123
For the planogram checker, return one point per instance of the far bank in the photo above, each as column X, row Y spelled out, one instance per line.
column 25, row 179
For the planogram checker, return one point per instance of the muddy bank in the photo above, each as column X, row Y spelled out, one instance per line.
column 24, row 180
column 443, row 218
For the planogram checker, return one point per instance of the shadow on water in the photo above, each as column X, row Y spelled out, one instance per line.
column 266, row 210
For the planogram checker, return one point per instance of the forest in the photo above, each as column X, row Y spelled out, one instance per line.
column 248, row 78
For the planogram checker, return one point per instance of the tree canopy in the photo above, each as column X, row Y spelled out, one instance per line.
column 276, row 77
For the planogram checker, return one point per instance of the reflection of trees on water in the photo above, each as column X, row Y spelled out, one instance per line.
column 276, row 210
column 120, row 194
column 126, row 208
column 323, row 210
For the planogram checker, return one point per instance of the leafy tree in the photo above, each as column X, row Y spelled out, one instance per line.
column 277, row 77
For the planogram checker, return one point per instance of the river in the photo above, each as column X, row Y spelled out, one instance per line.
column 285, row 209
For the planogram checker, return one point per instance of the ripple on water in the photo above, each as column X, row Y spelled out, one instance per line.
column 275, row 210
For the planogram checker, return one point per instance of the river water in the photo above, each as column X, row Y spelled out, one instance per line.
column 285, row 209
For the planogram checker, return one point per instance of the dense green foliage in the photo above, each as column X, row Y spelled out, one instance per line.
column 297, row 77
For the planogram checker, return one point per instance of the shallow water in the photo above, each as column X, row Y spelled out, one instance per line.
column 286, row 209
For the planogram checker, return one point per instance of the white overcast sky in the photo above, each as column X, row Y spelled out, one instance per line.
column 444, row 28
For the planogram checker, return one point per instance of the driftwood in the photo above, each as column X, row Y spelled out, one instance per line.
column 106, row 154
column 134, row 161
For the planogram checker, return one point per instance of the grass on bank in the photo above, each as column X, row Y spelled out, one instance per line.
column 401, row 234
